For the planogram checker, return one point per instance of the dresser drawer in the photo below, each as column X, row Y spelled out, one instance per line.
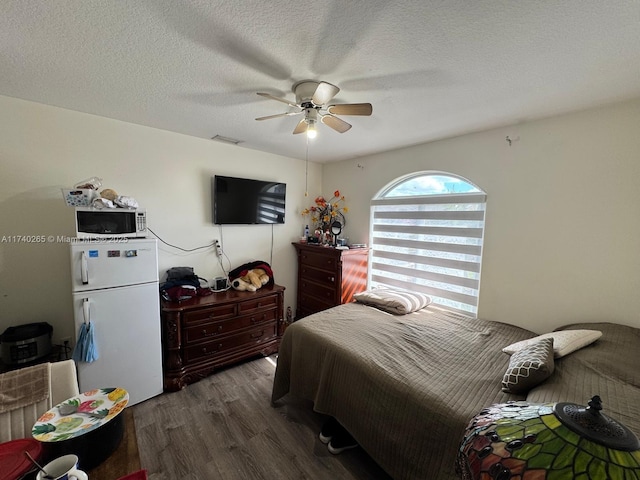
column 304, row 311
column 205, row 331
column 322, row 277
column 319, row 260
column 315, row 303
column 214, row 313
column 322, row 292
column 245, row 339
column 262, row 303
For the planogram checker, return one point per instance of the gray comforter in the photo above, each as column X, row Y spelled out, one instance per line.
column 406, row 386
column 609, row 368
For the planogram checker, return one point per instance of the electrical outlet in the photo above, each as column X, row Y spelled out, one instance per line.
column 66, row 340
column 218, row 247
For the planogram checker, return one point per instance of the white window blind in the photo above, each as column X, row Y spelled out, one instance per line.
column 431, row 244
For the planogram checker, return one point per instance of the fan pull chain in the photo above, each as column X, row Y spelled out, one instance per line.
column 306, row 171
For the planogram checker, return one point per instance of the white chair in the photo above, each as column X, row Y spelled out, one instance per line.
column 18, row 422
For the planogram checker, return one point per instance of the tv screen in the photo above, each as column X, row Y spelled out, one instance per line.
column 243, row 201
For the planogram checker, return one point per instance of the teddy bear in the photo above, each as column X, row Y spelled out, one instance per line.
column 251, row 281
column 251, row 276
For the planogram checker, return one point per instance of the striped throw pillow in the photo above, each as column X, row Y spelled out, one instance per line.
column 396, row 301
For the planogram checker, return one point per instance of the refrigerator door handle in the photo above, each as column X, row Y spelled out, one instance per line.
column 84, row 268
column 86, row 312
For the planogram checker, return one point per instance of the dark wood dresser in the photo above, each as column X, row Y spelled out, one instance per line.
column 202, row 334
column 328, row 276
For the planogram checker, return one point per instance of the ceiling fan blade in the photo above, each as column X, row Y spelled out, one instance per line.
column 278, row 115
column 351, row 109
column 336, row 123
column 268, row 95
column 324, row 92
column 301, row 127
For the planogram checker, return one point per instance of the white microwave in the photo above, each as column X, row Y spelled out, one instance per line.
column 96, row 223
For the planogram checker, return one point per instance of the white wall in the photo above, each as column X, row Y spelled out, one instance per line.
column 562, row 228
column 562, row 240
column 43, row 149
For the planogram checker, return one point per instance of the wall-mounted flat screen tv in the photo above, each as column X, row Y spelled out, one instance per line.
column 245, row 201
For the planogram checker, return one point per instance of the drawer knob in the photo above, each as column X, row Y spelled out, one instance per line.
column 332, row 279
column 257, row 335
column 205, row 350
column 206, row 333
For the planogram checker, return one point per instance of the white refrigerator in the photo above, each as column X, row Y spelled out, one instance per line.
column 115, row 288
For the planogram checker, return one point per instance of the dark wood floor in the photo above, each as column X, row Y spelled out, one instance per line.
column 224, row 427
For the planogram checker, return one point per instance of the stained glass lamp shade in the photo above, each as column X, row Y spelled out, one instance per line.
column 525, row 441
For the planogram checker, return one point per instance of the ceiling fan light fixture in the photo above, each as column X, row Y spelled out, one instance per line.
column 311, row 130
column 311, row 100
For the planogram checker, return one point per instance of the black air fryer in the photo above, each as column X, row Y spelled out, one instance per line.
column 25, row 343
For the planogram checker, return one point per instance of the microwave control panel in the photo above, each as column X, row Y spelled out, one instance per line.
column 141, row 222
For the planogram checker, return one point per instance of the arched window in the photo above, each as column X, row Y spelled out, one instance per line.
column 427, row 230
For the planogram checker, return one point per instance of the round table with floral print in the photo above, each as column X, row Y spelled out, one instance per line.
column 92, row 432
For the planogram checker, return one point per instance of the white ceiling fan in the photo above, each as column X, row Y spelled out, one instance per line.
column 311, row 101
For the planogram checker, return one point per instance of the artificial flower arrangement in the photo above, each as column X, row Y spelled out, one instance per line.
column 323, row 213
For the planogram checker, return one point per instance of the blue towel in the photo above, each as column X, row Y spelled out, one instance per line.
column 80, row 343
column 86, row 349
column 91, row 354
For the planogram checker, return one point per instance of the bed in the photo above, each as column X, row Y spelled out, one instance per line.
column 406, row 386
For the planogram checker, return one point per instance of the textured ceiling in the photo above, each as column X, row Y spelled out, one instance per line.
column 431, row 69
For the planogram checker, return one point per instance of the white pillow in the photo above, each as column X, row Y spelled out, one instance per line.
column 564, row 342
column 394, row 301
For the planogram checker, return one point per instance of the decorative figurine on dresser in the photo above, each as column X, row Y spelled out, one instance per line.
column 203, row 334
column 328, row 276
